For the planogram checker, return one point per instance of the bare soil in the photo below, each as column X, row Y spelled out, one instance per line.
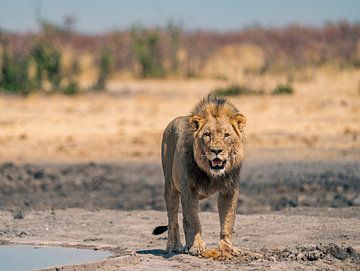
column 85, row 171
column 285, row 242
column 131, row 185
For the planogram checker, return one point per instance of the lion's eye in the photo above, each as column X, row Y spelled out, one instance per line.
column 207, row 134
column 227, row 134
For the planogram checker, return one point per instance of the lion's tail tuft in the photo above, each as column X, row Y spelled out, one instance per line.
column 159, row 230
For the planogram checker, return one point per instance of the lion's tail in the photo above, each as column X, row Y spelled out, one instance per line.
column 159, row 230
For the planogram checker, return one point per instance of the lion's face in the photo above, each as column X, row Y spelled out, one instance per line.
column 218, row 145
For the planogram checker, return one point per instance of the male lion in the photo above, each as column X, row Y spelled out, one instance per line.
column 202, row 154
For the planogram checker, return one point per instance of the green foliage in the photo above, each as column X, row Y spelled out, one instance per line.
column 235, row 90
column 53, row 68
column 72, row 86
column 104, row 69
column 147, row 52
column 48, row 64
column 71, row 89
column 283, row 90
column 14, row 76
column 14, row 70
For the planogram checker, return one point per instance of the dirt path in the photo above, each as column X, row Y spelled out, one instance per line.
column 284, row 240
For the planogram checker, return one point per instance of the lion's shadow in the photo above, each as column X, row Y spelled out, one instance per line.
column 157, row 252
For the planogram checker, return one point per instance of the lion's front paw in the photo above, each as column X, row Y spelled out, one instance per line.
column 196, row 249
column 226, row 247
column 174, row 248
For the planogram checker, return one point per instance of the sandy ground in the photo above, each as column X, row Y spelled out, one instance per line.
column 321, row 120
column 100, row 153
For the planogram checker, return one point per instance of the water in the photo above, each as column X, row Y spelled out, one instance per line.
column 25, row 258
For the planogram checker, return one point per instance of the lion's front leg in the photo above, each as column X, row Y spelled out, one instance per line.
column 172, row 205
column 192, row 227
column 227, row 203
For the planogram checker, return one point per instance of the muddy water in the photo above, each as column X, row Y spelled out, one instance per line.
column 24, row 258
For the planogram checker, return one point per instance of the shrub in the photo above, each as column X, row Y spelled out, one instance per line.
column 283, row 89
column 48, row 64
column 104, row 69
column 147, row 52
column 53, row 68
column 71, row 89
column 72, row 86
column 235, row 90
column 14, row 76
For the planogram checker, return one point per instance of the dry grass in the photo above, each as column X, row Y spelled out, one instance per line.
column 321, row 119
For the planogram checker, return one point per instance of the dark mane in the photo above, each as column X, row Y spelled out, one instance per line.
column 215, row 106
column 225, row 183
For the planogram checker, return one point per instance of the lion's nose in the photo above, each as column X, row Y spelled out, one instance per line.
column 216, row 151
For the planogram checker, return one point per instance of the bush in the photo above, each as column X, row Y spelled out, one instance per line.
column 235, row 90
column 48, row 64
column 14, row 76
column 104, row 69
column 53, row 69
column 147, row 52
column 283, row 90
column 71, row 89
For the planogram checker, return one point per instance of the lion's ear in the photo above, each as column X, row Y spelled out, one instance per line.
column 239, row 121
column 196, row 121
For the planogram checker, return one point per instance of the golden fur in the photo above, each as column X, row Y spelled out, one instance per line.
column 202, row 154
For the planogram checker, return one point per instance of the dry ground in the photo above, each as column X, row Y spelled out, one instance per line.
column 284, row 241
column 101, row 151
column 321, row 120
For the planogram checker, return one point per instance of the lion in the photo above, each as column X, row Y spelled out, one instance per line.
column 202, row 153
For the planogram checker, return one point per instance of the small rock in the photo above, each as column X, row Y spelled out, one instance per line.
column 356, row 201
column 21, row 234
column 313, row 255
column 92, row 239
column 38, row 174
column 337, row 252
column 19, row 214
column 301, row 257
column 321, row 248
column 272, row 259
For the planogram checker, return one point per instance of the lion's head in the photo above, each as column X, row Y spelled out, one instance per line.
column 218, row 141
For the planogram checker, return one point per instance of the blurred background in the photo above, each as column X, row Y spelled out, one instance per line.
column 87, row 87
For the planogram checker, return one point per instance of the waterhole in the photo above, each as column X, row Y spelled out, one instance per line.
column 24, row 258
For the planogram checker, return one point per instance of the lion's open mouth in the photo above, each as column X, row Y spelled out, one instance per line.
column 217, row 164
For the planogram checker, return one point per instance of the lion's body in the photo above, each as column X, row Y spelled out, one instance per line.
column 202, row 155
